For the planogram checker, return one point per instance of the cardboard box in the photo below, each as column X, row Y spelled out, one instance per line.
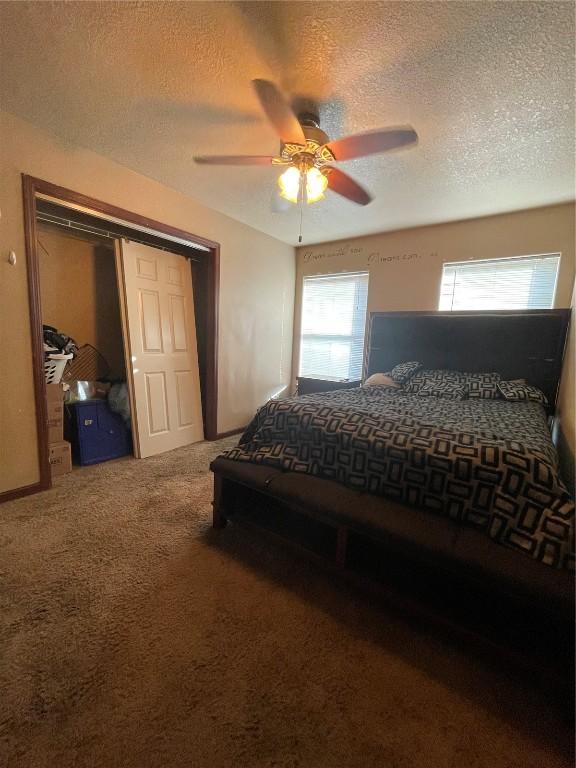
column 60, row 458
column 55, row 408
column 54, row 393
column 55, row 422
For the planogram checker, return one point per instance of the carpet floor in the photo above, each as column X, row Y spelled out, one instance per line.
column 134, row 636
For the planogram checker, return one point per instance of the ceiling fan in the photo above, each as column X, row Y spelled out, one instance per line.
column 308, row 152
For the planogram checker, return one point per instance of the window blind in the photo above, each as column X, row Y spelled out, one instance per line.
column 525, row 282
column 333, row 323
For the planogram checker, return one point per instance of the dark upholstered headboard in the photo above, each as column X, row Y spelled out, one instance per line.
column 518, row 345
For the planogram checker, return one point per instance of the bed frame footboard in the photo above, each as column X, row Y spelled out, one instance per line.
column 218, row 517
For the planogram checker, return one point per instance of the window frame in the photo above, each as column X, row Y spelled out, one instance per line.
column 327, row 275
column 550, row 254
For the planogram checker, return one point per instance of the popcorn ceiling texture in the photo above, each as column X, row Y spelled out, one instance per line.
column 488, row 86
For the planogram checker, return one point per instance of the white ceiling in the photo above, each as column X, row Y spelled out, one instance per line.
column 488, row 86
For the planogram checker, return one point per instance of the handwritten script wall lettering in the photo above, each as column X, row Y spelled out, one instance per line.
column 370, row 258
column 377, row 258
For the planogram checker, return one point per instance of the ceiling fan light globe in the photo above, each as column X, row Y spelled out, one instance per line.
column 316, row 183
column 289, row 183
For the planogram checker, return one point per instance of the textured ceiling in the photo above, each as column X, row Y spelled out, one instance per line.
column 488, row 86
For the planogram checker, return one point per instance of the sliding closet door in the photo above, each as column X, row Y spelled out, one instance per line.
column 161, row 353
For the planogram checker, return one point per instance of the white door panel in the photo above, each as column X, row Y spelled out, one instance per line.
column 185, row 409
column 150, row 320
column 161, row 348
column 178, row 323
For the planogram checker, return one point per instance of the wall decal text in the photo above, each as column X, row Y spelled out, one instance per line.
column 372, row 258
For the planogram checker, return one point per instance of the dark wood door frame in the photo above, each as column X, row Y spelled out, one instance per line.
column 31, row 187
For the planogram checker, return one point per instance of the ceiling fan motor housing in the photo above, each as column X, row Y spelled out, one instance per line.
column 315, row 134
column 315, row 152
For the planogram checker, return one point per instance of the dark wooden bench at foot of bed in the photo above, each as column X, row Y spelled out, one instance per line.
column 455, row 573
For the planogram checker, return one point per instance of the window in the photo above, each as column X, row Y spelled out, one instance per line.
column 333, row 322
column 525, row 282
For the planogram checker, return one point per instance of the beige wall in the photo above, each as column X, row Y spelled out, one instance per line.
column 256, row 289
column 79, row 293
column 406, row 266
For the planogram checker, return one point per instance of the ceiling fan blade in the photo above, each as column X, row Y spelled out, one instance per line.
column 362, row 144
column 279, row 112
column 346, row 186
column 234, row 160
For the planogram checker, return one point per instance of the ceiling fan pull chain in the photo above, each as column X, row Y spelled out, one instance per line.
column 301, row 207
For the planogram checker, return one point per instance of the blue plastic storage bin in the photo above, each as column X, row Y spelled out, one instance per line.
column 95, row 432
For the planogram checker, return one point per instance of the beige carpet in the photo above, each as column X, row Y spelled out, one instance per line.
column 132, row 636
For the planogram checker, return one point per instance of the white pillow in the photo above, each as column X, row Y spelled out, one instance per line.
column 381, row 380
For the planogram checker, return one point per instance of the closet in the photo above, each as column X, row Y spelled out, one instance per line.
column 126, row 301
column 79, row 291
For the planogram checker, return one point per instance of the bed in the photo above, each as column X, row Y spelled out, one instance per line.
column 470, row 486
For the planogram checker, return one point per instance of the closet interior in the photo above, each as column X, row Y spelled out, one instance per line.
column 96, row 277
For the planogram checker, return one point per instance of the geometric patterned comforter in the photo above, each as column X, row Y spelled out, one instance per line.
column 489, row 464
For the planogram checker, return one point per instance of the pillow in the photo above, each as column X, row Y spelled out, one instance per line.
column 404, row 371
column 381, row 380
column 511, row 390
column 483, row 386
column 416, row 382
column 450, row 389
column 423, row 377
